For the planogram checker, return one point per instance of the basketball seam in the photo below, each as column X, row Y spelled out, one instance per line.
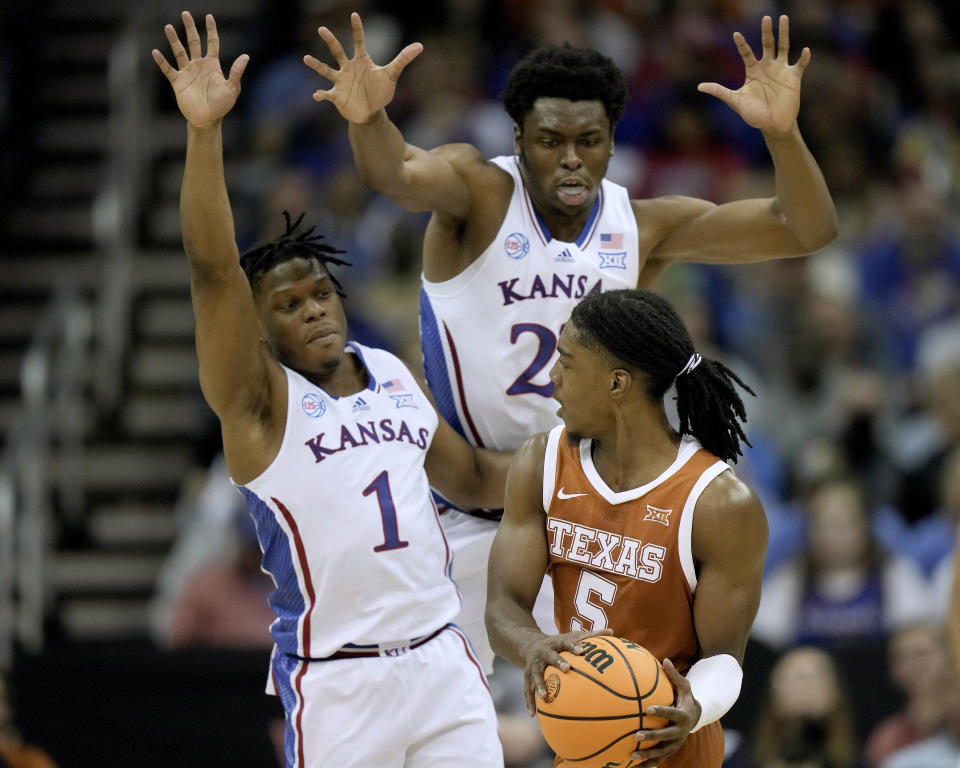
column 636, row 687
column 599, row 751
column 601, row 684
column 583, row 717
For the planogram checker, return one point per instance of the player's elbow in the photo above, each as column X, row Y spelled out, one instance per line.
column 822, row 234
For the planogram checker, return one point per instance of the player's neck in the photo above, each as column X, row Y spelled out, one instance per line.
column 346, row 378
column 635, row 451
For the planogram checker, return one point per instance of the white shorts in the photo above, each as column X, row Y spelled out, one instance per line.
column 470, row 538
column 427, row 707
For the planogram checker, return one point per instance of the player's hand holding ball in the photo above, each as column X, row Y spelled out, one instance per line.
column 593, row 703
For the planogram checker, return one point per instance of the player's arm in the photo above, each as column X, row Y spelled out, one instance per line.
column 729, row 543
column 235, row 373
column 415, row 179
column 470, row 477
column 518, row 560
column 800, row 218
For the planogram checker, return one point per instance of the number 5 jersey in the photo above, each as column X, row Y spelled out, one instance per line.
column 489, row 335
column 346, row 522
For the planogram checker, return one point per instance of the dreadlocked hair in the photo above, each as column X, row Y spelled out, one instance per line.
column 643, row 330
column 565, row 72
column 257, row 261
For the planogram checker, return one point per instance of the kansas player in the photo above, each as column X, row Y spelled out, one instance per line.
column 515, row 242
column 644, row 531
column 331, row 443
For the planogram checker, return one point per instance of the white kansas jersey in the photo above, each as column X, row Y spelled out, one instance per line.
column 345, row 518
column 489, row 335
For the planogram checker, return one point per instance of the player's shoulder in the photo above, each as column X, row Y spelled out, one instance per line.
column 467, row 159
column 530, row 455
column 729, row 504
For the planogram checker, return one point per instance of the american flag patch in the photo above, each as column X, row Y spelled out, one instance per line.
column 611, row 240
column 394, row 385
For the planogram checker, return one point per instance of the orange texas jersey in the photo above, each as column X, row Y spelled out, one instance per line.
column 623, row 560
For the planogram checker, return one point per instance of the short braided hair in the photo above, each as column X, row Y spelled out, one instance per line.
column 257, row 261
column 565, row 72
column 644, row 331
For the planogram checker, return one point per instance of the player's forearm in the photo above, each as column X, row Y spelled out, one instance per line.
column 206, row 219
column 511, row 628
column 801, row 191
column 379, row 152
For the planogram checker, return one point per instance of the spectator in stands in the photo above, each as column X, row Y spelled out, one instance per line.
column 843, row 586
column 14, row 752
column 225, row 602
column 919, row 665
column 939, row 750
column 807, row 720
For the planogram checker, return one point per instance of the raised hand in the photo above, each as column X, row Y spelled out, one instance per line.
column 360, row 87
column 769, row 98
column 203, row 94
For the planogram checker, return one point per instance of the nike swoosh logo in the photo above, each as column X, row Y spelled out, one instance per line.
column 562, row 495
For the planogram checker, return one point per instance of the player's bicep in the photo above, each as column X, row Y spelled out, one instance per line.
column 519, row 557
column 738, row 232
column 438, row 180
column 232, row 365
column 729, row 546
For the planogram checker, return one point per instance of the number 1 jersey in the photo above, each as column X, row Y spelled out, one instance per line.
column 489, row 335
column 346, row 522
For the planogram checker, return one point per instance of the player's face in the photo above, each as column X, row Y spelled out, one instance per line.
column 564, row 147
column 302, row 316
column 579, row 381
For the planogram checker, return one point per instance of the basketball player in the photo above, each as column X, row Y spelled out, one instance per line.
column 329, row 441
column 645, row 532
column 514, row 242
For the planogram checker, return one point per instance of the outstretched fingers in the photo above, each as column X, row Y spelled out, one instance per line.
column 324, row 70
column 718, row 91
column 746, row 52
column 766, row 37
column 213, row 39
column 179, row 53
column 193, row 37
column 237, row 69
column 168, row 71
column 783, row 39
column 333, row 44
column 357, row 26
column 402, row 59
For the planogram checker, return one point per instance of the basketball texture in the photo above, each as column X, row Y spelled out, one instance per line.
column 591, row 712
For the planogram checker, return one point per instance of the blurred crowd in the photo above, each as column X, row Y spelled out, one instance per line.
column 854, row 352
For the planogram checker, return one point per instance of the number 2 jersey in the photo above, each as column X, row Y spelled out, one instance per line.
column 624, row 560
column 345, row 518
column 489, row 335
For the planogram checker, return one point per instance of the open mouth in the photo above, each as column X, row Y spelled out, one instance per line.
column 572, row 193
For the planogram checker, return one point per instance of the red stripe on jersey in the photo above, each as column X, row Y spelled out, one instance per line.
column 305, row 568
column 463, row 398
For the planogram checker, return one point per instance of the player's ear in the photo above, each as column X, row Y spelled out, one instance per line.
column 621, row 382
column 517, row 136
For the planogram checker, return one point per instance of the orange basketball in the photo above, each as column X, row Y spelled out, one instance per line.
column 591, row 712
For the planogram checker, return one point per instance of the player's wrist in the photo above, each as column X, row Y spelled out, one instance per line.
column 715, row 685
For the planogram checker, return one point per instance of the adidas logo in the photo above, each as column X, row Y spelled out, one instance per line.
column 564, row 256
column 360, row 405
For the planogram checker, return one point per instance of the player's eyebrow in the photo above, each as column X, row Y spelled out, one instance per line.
column 562, row 351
